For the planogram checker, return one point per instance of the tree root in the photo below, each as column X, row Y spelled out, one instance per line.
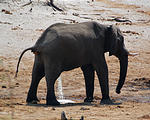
column 121, row 20
column 51, row 3
column 26, row 4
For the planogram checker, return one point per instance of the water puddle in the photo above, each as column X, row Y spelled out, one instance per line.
column 138, row 89
column 138, row 99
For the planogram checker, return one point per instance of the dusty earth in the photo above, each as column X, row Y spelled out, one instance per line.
column 20, row 27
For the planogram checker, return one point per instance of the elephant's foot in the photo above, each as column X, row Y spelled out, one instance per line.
column 32, row 100
column 88, row 99
column 52, row 102
column 107, row 101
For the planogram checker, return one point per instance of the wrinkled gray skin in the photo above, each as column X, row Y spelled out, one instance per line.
column 63, row 47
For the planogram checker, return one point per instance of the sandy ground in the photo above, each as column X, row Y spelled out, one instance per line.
column 20, row 27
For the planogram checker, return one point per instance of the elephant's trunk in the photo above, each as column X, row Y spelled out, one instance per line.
column 123, row 72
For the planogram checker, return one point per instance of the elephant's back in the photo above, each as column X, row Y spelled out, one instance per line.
column 67, row 38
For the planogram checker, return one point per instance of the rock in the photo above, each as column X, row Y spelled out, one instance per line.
column 82, row 118
column 120, row 106
column 63, row 116
column 53, row 108
column 17, row 83
column 83, row 108
column 75, row 14
column 145, row 117
column 6, row 11
column 4, row 86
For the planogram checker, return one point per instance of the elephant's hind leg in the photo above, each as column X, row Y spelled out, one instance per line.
column 37, row 75
column 88, row 72
column 52, row 72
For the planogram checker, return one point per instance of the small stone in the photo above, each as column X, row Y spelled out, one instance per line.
column 75, row 14
column 6, row 11
column 4, row 86
column 63, row 116
column 83, row 108
column 1, row 69
column 17, row 83
column 82, row 118
column 119, row 106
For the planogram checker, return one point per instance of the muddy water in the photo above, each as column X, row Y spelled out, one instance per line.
column 136, row 90
column 145, row 98
column 139, row 98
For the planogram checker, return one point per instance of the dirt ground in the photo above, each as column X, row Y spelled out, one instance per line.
column 20, row 27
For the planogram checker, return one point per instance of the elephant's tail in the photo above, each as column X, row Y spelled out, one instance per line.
column 31, row 48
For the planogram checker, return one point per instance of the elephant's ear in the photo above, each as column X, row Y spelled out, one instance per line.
column 110, row 43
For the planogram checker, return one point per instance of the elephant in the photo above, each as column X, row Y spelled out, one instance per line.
column 63, row 47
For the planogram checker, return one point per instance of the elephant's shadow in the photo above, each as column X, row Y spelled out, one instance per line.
column 72, row 104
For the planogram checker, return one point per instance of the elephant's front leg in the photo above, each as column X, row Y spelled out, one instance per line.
column 88, row 72
column 102, row 73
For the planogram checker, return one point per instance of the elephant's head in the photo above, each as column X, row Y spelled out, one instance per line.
column 115, row 46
